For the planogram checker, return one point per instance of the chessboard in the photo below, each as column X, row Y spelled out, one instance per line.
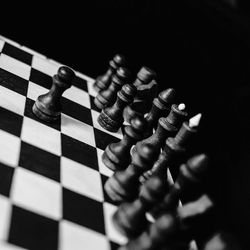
column 51, row 175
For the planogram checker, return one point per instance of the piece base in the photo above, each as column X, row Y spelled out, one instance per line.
column 107, row 123
column 42, row 116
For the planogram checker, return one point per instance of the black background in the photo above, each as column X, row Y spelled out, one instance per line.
column 201, row 48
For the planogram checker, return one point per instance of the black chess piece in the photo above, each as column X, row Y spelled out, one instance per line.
column 107, row 97
column 190, row 174
column 160, row 108
column 174, row 230
column 111, row 118
column 130, row 218
column 117, row 155
column 102, row 82
column 175, row 148
column 146, row 90
column 167, row 127
column 48, row 106
column 163, row 231
column 124, row 185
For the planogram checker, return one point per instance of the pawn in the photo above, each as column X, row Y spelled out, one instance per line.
column 130, row 218
column 107, row 97
column 102, row 82
column 161, row 107
column 172, row 229
column 190, row 174
column 175, row 148
column 163, row 231
column 48, row 106
column 167, row 127
column 124, row 185
column 146, row 91
column 111, row 117
column 117, row 155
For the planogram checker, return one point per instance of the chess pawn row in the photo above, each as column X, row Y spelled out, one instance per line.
column 107, row 96
column 160, row 108
column 48, row 106
column 111, row 117
column 167, row 127
column 124, row 185
column 130, row 218
column 173, row 230
column 117, row 155
column 102, row 82
column 190, row 174
column 174, row 151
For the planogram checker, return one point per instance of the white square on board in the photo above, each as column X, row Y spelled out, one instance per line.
column 35, row 90
column 10, row 148
column 41, row 136
column 14, row 66
column 37, row 193
column 73, row 236
column 43, row 65
column 77, row 130
column 77, row 95
column 81, row 179
column 12, row 101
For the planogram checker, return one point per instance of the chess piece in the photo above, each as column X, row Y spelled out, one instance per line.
column 146, row 90
column 124, row 185
column 167, row 127
column 117, row 155
column 190, row 174
column 48, row 106
column 163, row 231
column 172, row 229
column 111, row 117
column 194, row 217
column 107, row 97
column 160, row 108
column 221, row 240
column 175, row 148
column 102, row 82
column 130, row 218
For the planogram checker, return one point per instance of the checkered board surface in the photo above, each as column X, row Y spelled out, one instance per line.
column 51, row 175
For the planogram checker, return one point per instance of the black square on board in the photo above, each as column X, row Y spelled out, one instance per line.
column 83, row 211
column 6, row 174
column 77, row 111
column 40, row 78
column 80, row 83
column 10, row 122
column 33, row 231
column 17, row 53
column 79, row 151
column 13, row 82
column 40, row 161
column 103, row 139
